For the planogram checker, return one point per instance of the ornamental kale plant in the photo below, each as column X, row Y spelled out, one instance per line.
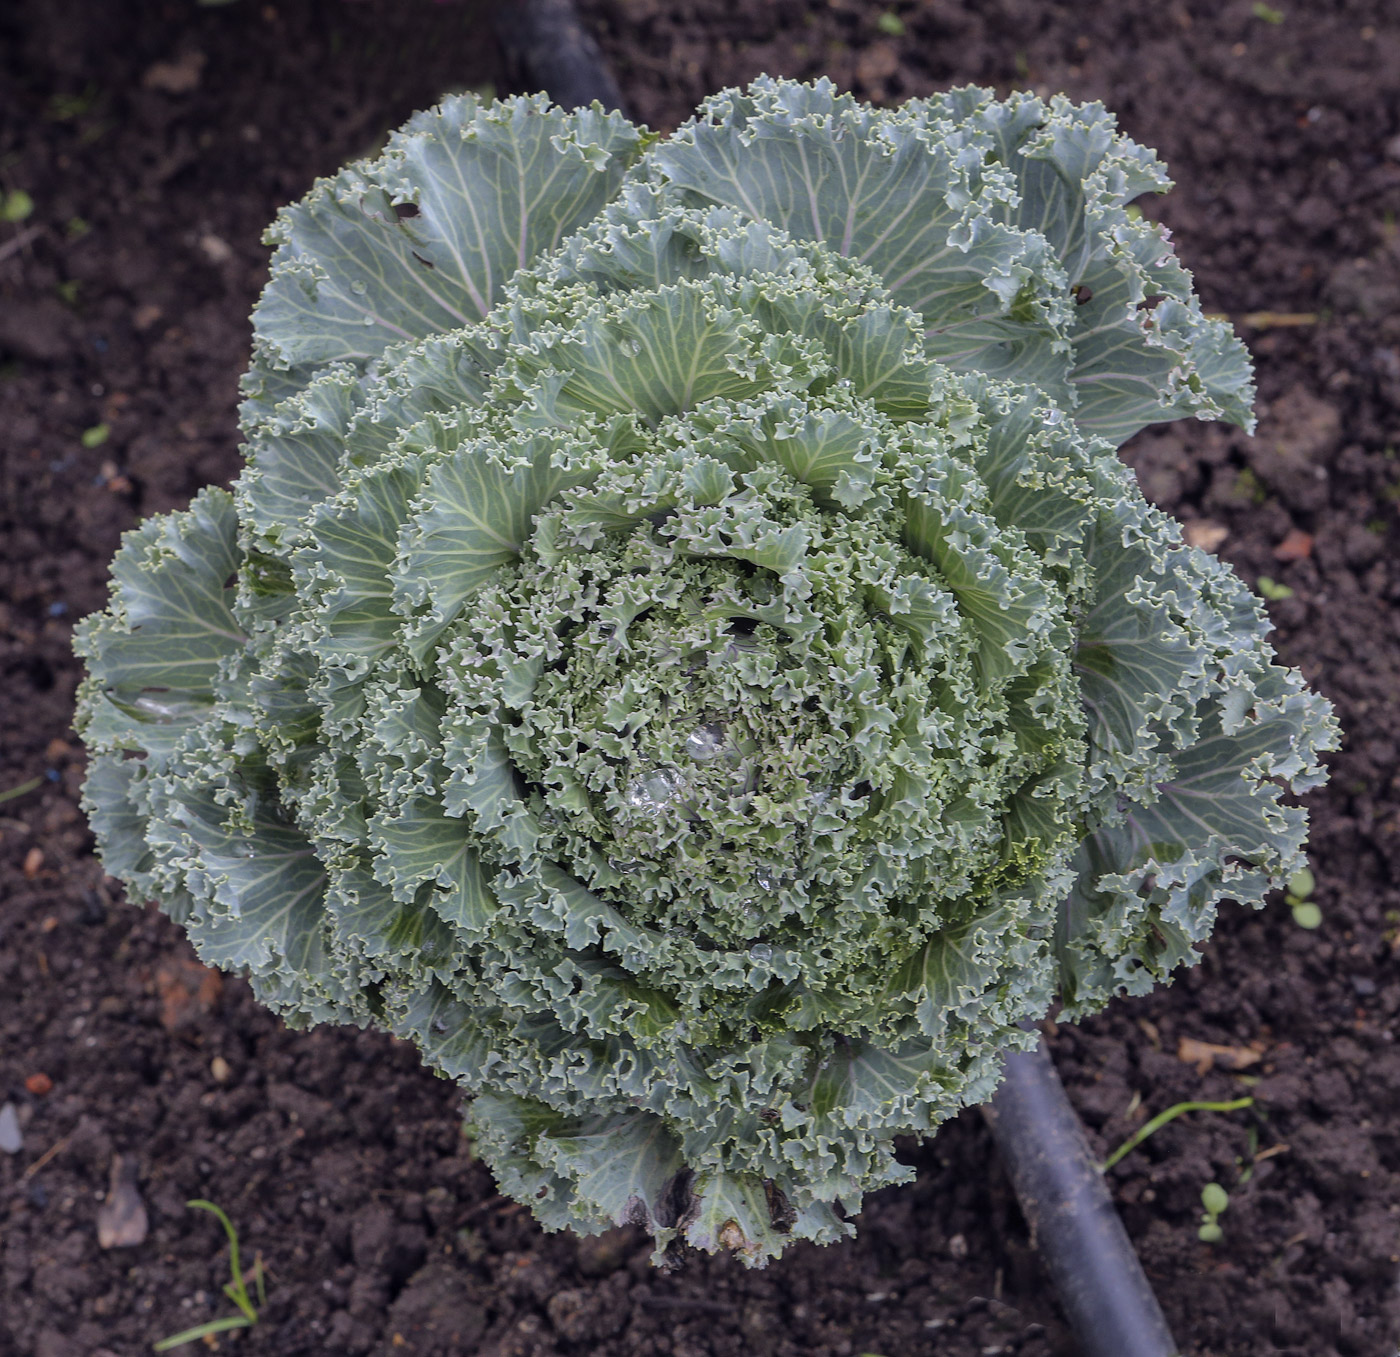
column 683, row 650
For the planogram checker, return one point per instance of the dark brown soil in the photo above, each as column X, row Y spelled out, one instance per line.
column 156, row 141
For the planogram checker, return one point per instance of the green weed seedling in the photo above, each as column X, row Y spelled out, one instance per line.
column 1162, row 1118
column 236, row 1290
column 1215, row 1199
column 1273, row 590
column 15, row 205
column 1301, row 884
column 24, row 788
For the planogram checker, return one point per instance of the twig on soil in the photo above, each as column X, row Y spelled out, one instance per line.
column 714, row 1307
column 55, row 1148
column 16, row 243
column 1268, row 320
column 496, row 1203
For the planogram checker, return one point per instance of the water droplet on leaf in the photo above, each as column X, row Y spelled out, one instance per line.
column 654, row 792
column 704, row 742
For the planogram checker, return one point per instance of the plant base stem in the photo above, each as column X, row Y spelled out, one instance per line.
column 1101, row 1285
column 547, row 44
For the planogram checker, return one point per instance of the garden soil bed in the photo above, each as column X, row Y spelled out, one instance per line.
column 156, row 141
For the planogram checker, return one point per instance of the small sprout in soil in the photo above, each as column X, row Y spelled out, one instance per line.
column 96, row 436
column 1215, row 1199
column 76, row 228
column 68, row 291
column 64, row 108
column 1273, row 590
column 1301, row 885
column 236, row 1290
column 890, row 22
column 15, row 205
column 1162, row 1118
column 1268, row 13
column 1248, row 486
column 23, row 789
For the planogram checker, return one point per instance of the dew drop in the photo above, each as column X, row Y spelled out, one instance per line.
column 761, row 951
column 654, row 792
column 369, row 320
column 358, row 288
column 162, row 713
column 704, row 742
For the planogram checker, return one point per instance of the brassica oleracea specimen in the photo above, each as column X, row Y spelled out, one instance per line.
column 683, row 650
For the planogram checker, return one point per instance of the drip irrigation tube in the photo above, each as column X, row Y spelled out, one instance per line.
column 547, row 44
column 1101, row 1285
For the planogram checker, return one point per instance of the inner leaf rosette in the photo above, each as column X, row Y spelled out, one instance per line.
column 743, row 716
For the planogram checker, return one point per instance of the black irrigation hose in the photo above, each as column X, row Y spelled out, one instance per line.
column 549, row 49
column 1102, row 1288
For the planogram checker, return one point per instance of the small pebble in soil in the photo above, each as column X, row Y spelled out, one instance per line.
column 121, row 1220
column 11, row 1138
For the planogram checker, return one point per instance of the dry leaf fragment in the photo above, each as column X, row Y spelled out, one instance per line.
column 1206, row 534
column 877, row 62
column 39, row 1084
column 215, row 248
column 1204, row 1054
column 175, row 77
column 1297, row 546
column 33, row 860
column 121, row 1219
column 187, row 991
